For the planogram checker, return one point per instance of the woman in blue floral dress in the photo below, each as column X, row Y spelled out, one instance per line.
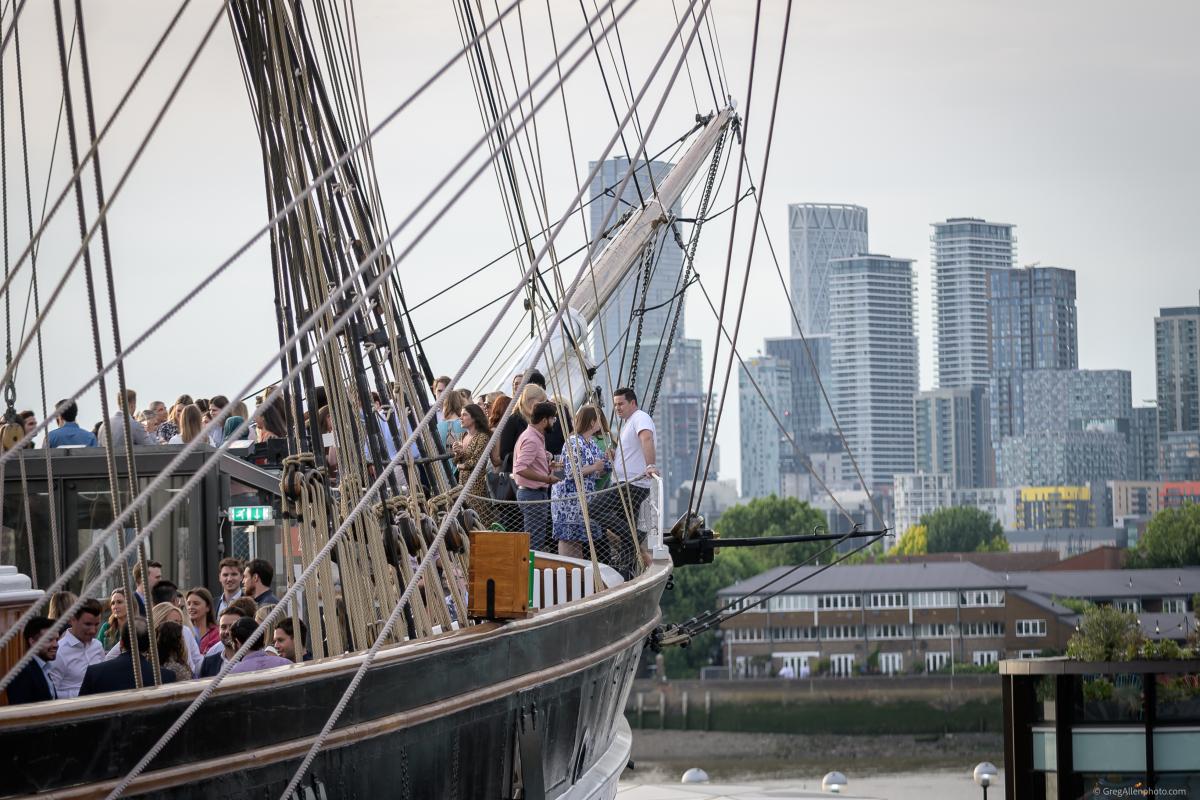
column 579, row 451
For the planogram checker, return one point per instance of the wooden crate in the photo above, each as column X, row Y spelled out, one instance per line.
column 499, row 575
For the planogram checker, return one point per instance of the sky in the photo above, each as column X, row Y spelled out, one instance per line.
column 1076, row 121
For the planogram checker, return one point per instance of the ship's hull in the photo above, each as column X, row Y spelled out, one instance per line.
column 536, row 702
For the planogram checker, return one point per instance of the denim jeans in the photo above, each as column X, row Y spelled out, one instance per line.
column 536, row 516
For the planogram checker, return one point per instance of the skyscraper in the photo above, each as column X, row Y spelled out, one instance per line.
column 1143, row 435
column 1177, row 367
column 614, row 334
column 817, row 233
column 952, row 435
column 809, row 414
column 964, row 250
column 874, row 360
column 1033, row 326
column 761, row 438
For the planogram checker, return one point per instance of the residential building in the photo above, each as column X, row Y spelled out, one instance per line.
column 965, row 251
column 809, row 414
column 1034, row 325
column 1042, row 507
column 1129, row 499
column 1144, row 444
column 999, row 502
column 1067, row 542
column 817, row 234
column 918, row 494
column 952, row 434
column 921, row 617
column 1177, row 368
column 761, row 440
column 874, row 360
column 1181, row 456
column 613, row 342
column 1075, row 429
column 1176, row 494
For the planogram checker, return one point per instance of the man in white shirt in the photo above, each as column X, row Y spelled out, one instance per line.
column 633, row 462
column 230, row 576
column 78, row 649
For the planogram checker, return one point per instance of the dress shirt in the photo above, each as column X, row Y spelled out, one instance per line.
column 530, row 454
column 73, row 659
column 44, row 666
column 140, row 437
column 224, row 604
column 69, row 434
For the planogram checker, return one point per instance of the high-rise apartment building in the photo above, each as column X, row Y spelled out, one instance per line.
column 809, row 412
column 1076, row 429
column 874, row 360
column 614, row 332
column 1177, row 367
column 951, row 429
column 762, row 441
column 817, row 233
column 965, row 250
column 1033, row 325
column 1143, row 441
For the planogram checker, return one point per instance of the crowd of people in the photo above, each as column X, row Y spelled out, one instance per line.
column 194, row 633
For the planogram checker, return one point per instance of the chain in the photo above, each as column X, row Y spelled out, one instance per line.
column 690, row 258
column 648, row 270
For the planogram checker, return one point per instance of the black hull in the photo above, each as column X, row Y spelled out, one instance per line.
column 439, row 718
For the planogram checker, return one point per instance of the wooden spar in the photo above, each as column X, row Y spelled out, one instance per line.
column 560, row 363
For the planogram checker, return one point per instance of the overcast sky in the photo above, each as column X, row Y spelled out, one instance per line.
column 1076, row 121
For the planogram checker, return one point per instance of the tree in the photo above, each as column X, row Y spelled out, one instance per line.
column 1172, row 539
column 696, row 586
column 1105, row 634
column 912, row 542
column 963, row 529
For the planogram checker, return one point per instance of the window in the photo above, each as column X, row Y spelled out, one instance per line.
column 1028, row 653
column 978, row 630
column 1031, row 627
column 887, row 600
column 794, row 633
column 933, row 630
column 838, row 601
column 1174, row 605
column 937, row 660
column 1128, row 604
column 889, row 631
column 934, row 599
column 982, row 597
column 982, row 658
column 841, row 632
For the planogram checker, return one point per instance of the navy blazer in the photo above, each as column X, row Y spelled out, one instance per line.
column 30, row 686
column 117, row 674
column 211, row 665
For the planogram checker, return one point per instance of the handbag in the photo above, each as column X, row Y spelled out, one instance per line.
column 500, row 483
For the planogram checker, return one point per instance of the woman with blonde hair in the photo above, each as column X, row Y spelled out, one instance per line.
column 191, row 422
column 163, row 613
column 517, row 422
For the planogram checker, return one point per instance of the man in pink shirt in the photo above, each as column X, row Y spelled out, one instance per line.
column 531, row 471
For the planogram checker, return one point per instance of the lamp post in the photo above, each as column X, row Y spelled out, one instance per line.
column 985, row 773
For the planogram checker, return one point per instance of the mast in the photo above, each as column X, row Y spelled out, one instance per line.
column 561, row 363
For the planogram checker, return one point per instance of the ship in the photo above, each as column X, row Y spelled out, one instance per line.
column 409, row 693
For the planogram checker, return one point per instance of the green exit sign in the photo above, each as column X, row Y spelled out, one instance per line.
column 251, row 514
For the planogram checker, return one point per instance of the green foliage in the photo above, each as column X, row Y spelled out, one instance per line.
column 1096, row 690
column 963, row 529
column 1172, row 539
column 912, row 542
column 1163, row 650
column 1076, row 604
column 1105, row 634
column 964, row 668
column 696, row 587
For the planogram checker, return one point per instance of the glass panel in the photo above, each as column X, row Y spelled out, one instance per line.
column 1045, row 750
column 1176, row 750
column 1179, row 785
column 1178, row 697
column 15, row 534
column 1097, row 749
column 1114, row 784
column 1110, row 698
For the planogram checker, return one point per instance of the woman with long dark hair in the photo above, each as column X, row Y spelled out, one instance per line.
column 467, row 453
